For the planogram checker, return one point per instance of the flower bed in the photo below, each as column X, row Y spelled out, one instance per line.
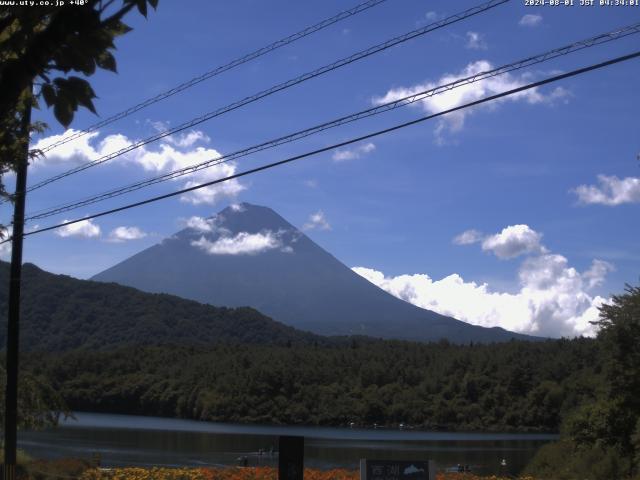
column 257, row 473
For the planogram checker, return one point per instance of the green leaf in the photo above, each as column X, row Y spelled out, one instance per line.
column 142, row 7
column 81, row 92
column 63, row 110
column 88, row 66
column 38, row 127
column 79, row 86
column 107, row 61
column 49, row 94
column 72, row 57
column 120, row 28
column 88, row 104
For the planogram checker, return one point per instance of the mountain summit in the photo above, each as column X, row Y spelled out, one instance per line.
column 248, row 255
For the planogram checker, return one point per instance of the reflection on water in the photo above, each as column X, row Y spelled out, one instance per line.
column 131, row 440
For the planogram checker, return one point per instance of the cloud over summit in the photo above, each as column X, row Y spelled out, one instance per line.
column 242, row 243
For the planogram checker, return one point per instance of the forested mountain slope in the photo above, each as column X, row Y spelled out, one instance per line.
column 64, row 313
column 509, row 386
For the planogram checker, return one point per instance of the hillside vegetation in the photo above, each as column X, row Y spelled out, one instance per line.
column 107, row 348
column 510, row 386
column 63, row 313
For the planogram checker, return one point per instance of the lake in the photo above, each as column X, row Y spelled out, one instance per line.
column 134, row 440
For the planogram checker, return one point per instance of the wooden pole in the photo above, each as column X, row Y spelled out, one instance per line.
column 13, row 324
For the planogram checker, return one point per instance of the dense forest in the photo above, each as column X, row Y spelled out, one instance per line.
column 600, row 439
column 510, row 386
column 107, row 348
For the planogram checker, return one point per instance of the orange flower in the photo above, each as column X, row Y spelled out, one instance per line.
column 246, row 473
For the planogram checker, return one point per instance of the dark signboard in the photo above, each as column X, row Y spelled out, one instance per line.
column 396, row 470
column 291, row 458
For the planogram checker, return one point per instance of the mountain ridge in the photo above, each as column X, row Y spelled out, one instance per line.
column 284, row 274
column 60, row 313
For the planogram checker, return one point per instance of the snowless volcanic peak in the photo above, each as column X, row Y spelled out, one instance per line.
column 248, row 255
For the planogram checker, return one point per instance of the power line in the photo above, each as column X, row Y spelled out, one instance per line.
column 284, row 85
column 279, row 87
column 527, row 62
column 221, row 69
column 342, row 144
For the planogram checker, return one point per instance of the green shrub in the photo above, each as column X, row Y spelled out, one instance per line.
column 59, row 469
column 563, row 460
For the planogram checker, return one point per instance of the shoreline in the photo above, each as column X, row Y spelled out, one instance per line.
column 380, row 432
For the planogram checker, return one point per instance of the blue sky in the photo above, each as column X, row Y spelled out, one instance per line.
column 545, row 185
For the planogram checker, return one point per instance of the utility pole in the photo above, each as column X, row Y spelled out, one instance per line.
column 13, row 324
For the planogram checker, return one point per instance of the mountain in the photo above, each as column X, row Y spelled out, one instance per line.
column 248, row 255
column 63, row 313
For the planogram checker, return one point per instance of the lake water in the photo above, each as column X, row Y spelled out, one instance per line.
column 132, row 440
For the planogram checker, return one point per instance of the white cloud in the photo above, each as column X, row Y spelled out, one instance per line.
column 158, row 125
column 200, row 224
column 243, row 243
column 611, row 191
column 5, row 248
column 453, row 122
column 431, row 16
column 317, row 221
column 184, row 140
column 513, row 241
column 597, row 273
column 82, row 229
column 341, row 155
column 171, row 153
column 559, row 93
column 5, row 251
column 553, row 299
column 81, row 150
column 475, row 41
column 188, row 139
column 468, row 237
column 74, row 152
column 311, row 183
column 530, row 20
column 213, row 194
column 124, row 234
column 237, row 207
